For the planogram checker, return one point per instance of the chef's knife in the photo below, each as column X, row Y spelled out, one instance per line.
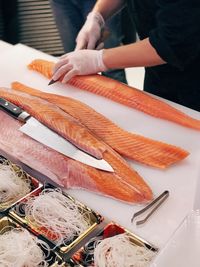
column 46, row 136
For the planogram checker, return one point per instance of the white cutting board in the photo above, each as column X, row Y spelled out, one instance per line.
column 180, row 180
column 4, row 46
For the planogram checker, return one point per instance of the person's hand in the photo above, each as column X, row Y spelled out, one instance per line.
column 90, row 34
column 80, row 62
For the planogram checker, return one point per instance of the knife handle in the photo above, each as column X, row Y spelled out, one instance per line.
column 13, row 110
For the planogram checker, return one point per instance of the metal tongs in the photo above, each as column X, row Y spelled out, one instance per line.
column 155, row 204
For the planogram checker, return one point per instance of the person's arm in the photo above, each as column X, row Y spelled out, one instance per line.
column 84, row 62
column 108, row 9
column 139, row 54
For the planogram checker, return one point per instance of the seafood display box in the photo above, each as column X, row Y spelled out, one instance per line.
column 85, row 255
column 53, row 259
column 76, row 251
column 18, row 214
column 35, row 185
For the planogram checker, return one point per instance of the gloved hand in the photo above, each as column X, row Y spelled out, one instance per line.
column 80, row 62
column 90, row 34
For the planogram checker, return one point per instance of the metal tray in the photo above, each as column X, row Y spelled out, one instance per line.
column 85, row 256
column 7, row 223
column 35, row 185
column 95, row 220
column 70, row 263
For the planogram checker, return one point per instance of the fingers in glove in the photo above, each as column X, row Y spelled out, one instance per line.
column 70, row 74
column 100, row 46
column 81, row 44
column 105, row 34
column 63, row 56
column 60, row 72
column 63, row 61
column 92, row 43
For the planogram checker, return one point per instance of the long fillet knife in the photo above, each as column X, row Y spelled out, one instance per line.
column 52, row 82
column 46, row 136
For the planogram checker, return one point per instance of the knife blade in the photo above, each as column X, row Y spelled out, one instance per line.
column 48, row 137
column 52, row 82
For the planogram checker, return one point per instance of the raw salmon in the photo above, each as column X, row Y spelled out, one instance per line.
column 132, row 146
column 59, row 121
column 124, row 184
column 123, row 94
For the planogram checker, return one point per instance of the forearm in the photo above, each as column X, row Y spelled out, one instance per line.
column 139, row 54
column 108, row 9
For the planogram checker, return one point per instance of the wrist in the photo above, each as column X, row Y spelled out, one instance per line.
column 94, row 15
column 105, row 58
column 100, row 60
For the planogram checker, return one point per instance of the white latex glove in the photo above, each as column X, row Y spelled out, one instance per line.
column 80, row 62
column 90, row 34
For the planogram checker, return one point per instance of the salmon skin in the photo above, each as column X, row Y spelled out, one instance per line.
column 122, row 94
column 132, row 146
column 124, row 184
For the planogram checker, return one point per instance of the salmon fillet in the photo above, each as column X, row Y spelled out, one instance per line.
column 122, row 94
column 59, row 121
column 132, row 146
column 124, row 184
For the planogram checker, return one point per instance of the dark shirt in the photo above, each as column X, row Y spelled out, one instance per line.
column 173, row 28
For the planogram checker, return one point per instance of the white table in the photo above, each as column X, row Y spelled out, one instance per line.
column 135, row 77
column 4, row 46
column 180, row 179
